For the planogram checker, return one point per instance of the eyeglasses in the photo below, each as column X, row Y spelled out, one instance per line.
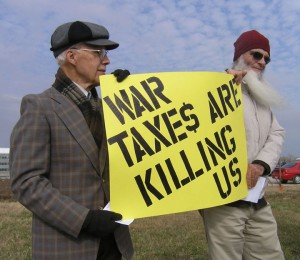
column 102, row 52
column 258, row 56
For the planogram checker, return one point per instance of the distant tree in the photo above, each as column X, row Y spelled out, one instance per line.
column 286, row 159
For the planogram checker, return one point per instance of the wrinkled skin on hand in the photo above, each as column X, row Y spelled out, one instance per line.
column 253, row 173
column 238, row 75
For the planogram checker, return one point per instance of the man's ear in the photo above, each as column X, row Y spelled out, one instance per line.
column 71, row 56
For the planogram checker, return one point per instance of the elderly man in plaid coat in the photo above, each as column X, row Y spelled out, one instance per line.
column 59, row 161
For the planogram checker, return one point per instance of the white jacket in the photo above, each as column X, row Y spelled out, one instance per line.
column 264, row 135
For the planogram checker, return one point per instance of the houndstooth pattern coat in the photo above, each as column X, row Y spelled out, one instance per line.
column 58, row 173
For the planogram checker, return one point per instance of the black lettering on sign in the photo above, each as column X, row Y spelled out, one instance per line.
column 226, row 94
column 170, row 121
column 220, row 147
column 230, row 149
column 163, row 178
column 120, row 105
column 158, row 136
column 119, row 139
column 173, row 174
column 139, row 141
column 188, row 117
column 166, row 176
column 234, row 92
column 215, row 111
column 138, row 103
column 192, row 174
column 157, row 91
column 224, row 193
column 235, row 172
column 172, row 126
column 147, row 185
column 168, row 179
column 139, row 151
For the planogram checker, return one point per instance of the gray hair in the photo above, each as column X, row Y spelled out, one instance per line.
column 61, row 58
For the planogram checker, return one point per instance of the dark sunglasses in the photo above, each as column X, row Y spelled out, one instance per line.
column 258, row 56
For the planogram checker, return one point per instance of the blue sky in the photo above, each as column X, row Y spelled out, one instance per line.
column 154, row 36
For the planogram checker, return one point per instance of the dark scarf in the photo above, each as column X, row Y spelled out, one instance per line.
column 89, row 108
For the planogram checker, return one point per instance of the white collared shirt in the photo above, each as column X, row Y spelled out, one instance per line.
column 82, row 89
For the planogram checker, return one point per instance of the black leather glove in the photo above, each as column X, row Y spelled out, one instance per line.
column 101, row 223
column 121, row 74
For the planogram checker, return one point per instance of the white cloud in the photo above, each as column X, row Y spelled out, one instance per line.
column 167, row 35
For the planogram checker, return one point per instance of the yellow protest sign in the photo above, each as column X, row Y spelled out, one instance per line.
column 176, row 142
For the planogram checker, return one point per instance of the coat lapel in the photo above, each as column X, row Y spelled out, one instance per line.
column 73, row 119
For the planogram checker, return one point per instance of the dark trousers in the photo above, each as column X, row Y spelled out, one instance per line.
column 246, row 204
column 108, row 249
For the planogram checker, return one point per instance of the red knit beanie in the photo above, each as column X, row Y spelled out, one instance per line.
column 250, row 40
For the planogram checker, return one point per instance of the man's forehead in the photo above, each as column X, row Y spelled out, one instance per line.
column 260, row 50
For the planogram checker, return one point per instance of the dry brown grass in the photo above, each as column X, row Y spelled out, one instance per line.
column 15, row 234
column 5, row 192
column 11, row 208
column 176, row 236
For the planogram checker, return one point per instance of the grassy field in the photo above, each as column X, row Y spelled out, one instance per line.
column 176, row 236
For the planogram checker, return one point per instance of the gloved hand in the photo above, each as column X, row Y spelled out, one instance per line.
column 101, row 223
column 121, row 74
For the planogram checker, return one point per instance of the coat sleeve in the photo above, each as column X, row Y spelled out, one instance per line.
column 271, row 151
column 30, row 152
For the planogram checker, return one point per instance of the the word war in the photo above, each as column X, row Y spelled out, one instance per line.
column 139, row 103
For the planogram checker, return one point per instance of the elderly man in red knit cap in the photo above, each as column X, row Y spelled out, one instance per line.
column 247, row 229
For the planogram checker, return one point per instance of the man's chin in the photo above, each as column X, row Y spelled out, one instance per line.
column 258, row 72
column 261, row 91
column 96, row 84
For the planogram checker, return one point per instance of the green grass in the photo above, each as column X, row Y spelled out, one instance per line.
column 15, row 227
column 176, row 236
column 286, row 209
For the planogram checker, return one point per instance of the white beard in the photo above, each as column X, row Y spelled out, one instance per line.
column 258, row 87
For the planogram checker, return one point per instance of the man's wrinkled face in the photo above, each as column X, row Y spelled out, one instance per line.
column 90, row 63
column 259, row 88
column 256, row 59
